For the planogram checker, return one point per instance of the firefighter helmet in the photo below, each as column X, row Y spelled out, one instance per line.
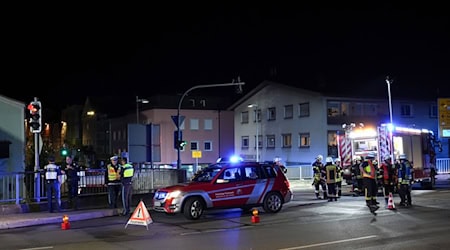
column 329, row 160
column 402, row 157
column 319, row 157
column 387, row 157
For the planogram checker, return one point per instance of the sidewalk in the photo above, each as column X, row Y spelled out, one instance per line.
column 15, row 216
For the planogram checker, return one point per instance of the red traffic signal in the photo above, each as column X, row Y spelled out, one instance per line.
column 35, row 116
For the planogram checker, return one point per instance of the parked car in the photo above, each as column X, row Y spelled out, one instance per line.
column 226, row 185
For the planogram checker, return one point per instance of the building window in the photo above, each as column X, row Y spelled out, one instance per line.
column 303, row 109
column 257, row 115
column 194, row 124
column 207, row 146
column 271, row 141
column 406, row 110
column 332, row 143
column 208, row 125
column 271, row 114
column 333, row 109
column 244, row 117
column 259, row 141
column 305, row 141
column 433, row 111
column 194, row 145
column 370, row 109
column 288, row 111
column 244, row 142
column 287, row 140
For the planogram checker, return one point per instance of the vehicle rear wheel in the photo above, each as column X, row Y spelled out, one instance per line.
column 272, row 202
column 193, row 208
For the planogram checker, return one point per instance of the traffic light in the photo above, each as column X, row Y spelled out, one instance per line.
column 64, row 152
column 181, row 144
column 35, row 109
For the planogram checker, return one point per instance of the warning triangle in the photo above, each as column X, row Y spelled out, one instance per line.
column 140, row 216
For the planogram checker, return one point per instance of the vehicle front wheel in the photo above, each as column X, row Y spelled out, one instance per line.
column 193, row 208
column 272, row 202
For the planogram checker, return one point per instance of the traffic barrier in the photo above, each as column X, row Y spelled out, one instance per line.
column 255, row 216
column 65, row 224
column 391, row 204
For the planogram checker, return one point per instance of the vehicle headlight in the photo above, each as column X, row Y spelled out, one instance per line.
column 174, row 194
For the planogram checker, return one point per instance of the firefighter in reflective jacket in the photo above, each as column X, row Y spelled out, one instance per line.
column 405, row 180
column 357, row 183
column 339, row 178
column 369, row 172
column 112, row 180
column 388, row 175
column 331, row 176
column 126, row 176
column 319, row 177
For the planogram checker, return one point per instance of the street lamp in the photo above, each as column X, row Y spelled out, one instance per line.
column 389, row 81
column 238, row 83
column 255, row 106
column 137, row 107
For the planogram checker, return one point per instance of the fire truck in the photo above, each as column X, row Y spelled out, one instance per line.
column 387, row 139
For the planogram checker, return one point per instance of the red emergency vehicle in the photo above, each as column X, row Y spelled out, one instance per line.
column 387, row 139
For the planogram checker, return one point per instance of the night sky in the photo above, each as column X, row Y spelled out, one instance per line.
column 61, row 54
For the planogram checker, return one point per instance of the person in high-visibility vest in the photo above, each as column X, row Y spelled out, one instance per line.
column 388, row 174
column 339, row 178
column 126, row 177
column 357, row 183
column 319, row 177
column 53, row 173
column 405, row 180
column 369, row 174
column 331, row 176
column 112, row 181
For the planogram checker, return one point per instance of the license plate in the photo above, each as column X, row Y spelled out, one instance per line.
column 157, row 204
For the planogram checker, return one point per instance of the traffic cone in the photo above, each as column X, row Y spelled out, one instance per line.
column 255, row 216
column 65, row 224
column 391, row 204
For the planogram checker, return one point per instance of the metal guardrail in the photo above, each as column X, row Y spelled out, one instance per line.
column 19, row 187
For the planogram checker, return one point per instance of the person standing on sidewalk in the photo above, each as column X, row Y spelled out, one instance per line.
column 112, row 181
column 126, row 177
column 53, row 186
column 72, row 169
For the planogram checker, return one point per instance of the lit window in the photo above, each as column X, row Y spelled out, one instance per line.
column 287, row 140
column 305, row 141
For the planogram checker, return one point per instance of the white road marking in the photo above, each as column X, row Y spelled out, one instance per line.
column 329, row 243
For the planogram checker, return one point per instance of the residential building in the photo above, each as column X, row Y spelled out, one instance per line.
column 280, row 121
column 12, row 135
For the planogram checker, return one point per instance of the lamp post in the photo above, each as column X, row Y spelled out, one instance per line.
column 389, row 81
column 137, row 107
column 238, row 83
column 255, row 106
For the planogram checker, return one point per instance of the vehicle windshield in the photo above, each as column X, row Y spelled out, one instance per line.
column 207, row 174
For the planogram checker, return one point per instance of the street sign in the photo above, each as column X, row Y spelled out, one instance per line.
column 175, row 120
column 196, row 154
column 444, row 117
